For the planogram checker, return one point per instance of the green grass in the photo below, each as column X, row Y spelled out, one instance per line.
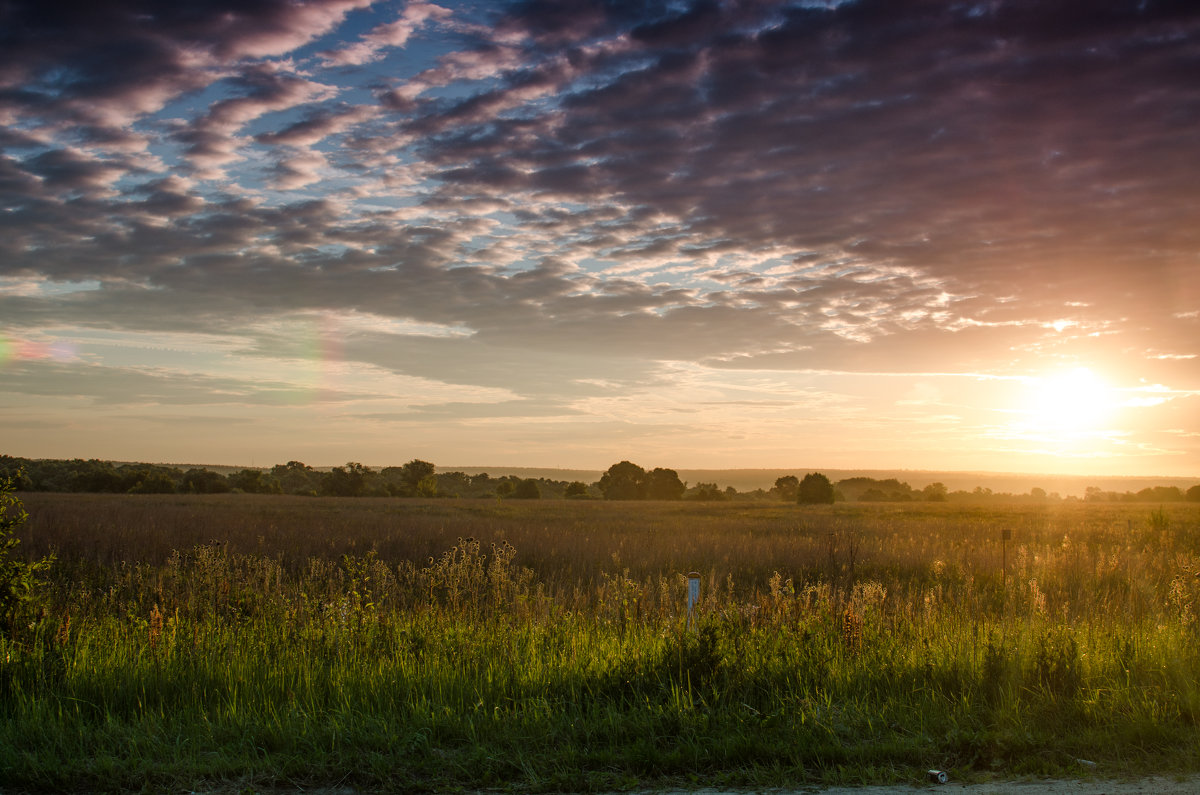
column 549, row 651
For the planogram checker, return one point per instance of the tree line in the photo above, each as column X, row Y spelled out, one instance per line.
column 417, row 478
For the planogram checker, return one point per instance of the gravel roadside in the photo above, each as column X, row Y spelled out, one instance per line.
column 1159, row 785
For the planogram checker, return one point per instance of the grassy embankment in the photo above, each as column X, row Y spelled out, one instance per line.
column 291, row 641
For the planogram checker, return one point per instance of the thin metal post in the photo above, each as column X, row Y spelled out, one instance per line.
column 693, row 596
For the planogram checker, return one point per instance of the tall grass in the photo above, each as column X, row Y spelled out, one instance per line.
column 456, row 644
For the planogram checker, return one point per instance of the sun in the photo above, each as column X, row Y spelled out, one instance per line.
column 1073, row 400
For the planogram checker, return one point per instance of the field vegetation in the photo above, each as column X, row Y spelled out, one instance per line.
column 183, row 641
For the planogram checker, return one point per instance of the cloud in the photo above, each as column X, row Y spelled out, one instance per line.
column 317, row 125
column 372, row 45
column 90, row 385
column 107, row 65
column 71, row 171
column 212, row 140
column 298, row 169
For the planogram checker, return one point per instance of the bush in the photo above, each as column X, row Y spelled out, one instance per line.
column 19, row 579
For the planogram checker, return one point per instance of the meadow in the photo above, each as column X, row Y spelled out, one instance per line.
column 191, row 641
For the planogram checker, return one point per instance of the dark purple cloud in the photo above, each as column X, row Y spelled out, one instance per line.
column 99, row 66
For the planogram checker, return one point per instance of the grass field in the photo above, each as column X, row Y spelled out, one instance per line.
column 183, row 641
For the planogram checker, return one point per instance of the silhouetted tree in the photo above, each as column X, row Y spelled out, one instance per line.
column 1160, row 494
column 296, row 477
column 889, row 490
column 934, row 492
column 623, row 481
column 347, row 481
column 1193, row 494
column 705, row 492
column 95, row 476
column 664, row 484
column 415, row 471
column 575, row 489
column 455, row 484
column 254, row 481
column 787, row 488
column 153, row 483
column 203, row 481
column 815, row 489
column 527, row 489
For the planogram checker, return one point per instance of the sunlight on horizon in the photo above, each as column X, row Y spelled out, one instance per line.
column 1069, row 410
column 1075, row 400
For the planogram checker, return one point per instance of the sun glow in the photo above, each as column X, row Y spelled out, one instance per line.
column 1076, row 400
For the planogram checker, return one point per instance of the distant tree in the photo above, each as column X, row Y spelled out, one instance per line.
column 664, row 484
column 575, row 489
column 1193, row 494
column 95, row 476
column 815, row 489
column 705, row 492
column 427, row 487
column 527, row 489
column 934, row 492
column 787, row 488
column 153, row 483
column 505, row 488
column 347, row 481
column 455, row 484
column 415, row 471
column 623, row 481
column 296, row 477
column 203, row 481
column 857, row 488
column 1037, row 494
column 254, row 481
column 1160, row 494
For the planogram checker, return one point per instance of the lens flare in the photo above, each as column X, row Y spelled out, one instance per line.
column 317, row 347
column 14, row 350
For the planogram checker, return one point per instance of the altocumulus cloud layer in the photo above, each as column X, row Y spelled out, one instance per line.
column 551, row 232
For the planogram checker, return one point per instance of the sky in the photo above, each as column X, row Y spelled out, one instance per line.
column 560, row 233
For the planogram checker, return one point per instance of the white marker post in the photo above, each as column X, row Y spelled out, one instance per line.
column 693, row 596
